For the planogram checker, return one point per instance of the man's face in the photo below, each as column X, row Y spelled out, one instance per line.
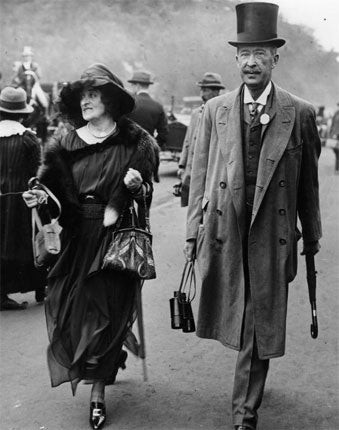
column 255, row 63
column 208, row 93
column 27, row 58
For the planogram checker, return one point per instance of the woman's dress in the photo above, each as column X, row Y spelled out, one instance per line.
column 19, row 161
column 89, row 310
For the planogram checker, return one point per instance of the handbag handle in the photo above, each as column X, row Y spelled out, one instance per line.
column 34, row 183
column 188, row 281
column 132, row 213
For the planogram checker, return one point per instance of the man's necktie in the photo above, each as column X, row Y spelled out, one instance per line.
column 253, row 107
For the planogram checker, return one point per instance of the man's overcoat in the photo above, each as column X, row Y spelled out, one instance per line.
column 287, row 185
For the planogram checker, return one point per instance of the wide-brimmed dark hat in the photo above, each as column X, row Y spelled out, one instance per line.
column 257, row 24
column 211, row 80
column 98, row 75
column 141, row 77
column 14, row 100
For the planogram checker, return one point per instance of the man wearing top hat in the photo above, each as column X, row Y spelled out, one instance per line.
column 210, row 86
column 148, row 113
column 255, row 170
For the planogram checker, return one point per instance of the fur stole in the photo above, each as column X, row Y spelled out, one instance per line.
column 56, row 169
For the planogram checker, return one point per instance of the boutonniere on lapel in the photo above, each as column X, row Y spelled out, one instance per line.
column 264, row 119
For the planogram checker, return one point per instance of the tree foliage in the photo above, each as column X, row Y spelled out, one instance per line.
column 177, row 40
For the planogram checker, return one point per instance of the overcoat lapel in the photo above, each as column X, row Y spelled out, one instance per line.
column 275, row 137
column 230, row 141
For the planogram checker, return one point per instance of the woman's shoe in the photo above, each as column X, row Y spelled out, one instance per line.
column 97, row 416
column 121, row 364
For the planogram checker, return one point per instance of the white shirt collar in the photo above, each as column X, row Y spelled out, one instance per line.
column 262, row 99
column 10, row 128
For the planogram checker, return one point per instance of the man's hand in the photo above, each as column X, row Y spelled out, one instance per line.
column 180, row 172
column 189, row 249
column 310, row 248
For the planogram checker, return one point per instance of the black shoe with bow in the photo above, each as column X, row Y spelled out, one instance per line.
column 97, row 417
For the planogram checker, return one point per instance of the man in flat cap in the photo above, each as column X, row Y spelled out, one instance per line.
column 148, row 113
column 255, row 170
column 210, row 86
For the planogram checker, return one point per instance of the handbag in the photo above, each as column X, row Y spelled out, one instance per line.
column 131, row 248
column 180, row 304
column 45, row 237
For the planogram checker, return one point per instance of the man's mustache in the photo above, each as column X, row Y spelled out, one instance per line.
column 251, row 71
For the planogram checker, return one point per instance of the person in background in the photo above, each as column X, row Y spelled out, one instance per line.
column 334, row 134
column 26, row 65
column 255, row 170
column 19, row 161
column 148, row 113
column 96, row 170
column 210, row 87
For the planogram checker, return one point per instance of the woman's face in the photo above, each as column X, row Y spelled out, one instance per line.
column 91, row 105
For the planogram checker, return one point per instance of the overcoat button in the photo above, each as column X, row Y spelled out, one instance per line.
column 222, row 184
column 282, row 211
column 282, row 183
column 219, row 212
column 282, row 241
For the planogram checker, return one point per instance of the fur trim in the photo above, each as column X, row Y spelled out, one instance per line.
column 55, row 171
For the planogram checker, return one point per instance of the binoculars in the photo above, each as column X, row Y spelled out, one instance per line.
column 181, row 313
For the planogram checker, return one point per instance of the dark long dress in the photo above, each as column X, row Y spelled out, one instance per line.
column 89, row 310
column 19, row 161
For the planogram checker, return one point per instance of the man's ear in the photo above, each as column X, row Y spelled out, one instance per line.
column 275, row 60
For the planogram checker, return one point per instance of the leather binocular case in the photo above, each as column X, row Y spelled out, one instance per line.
column 181, row 313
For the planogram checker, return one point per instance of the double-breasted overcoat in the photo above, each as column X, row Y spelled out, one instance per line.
column 286, row 187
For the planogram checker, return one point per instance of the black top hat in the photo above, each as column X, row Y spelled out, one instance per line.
column 257, row 24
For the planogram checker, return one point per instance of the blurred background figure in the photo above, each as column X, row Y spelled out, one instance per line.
column 27, row 75
column 148, row 113
column 19, row 160
column 334, row 134
column 26, row 64
column 210, row 87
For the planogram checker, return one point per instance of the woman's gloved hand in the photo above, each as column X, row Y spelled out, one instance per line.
column 33, row 198
column 133, row 180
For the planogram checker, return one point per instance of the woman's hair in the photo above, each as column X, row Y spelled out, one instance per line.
column 70, row 96
column 12, row 116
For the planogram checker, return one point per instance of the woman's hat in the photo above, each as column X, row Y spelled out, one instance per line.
column 98, row 75
column 141, row 77
column 211, row 80
column 14, row 100
column 257, row 24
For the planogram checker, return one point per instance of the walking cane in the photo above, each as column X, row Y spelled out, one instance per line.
column 142, row 350
column 311, row 275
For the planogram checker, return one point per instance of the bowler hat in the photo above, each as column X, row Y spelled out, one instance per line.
column 98, row 75
column 257, row 24
column 141, row 77
column 14, row 100
column 211, row 80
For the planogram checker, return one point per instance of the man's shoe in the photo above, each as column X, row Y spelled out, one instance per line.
column 40, row 294
column 11, row 305
column 242, row 428
column 97, row 415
